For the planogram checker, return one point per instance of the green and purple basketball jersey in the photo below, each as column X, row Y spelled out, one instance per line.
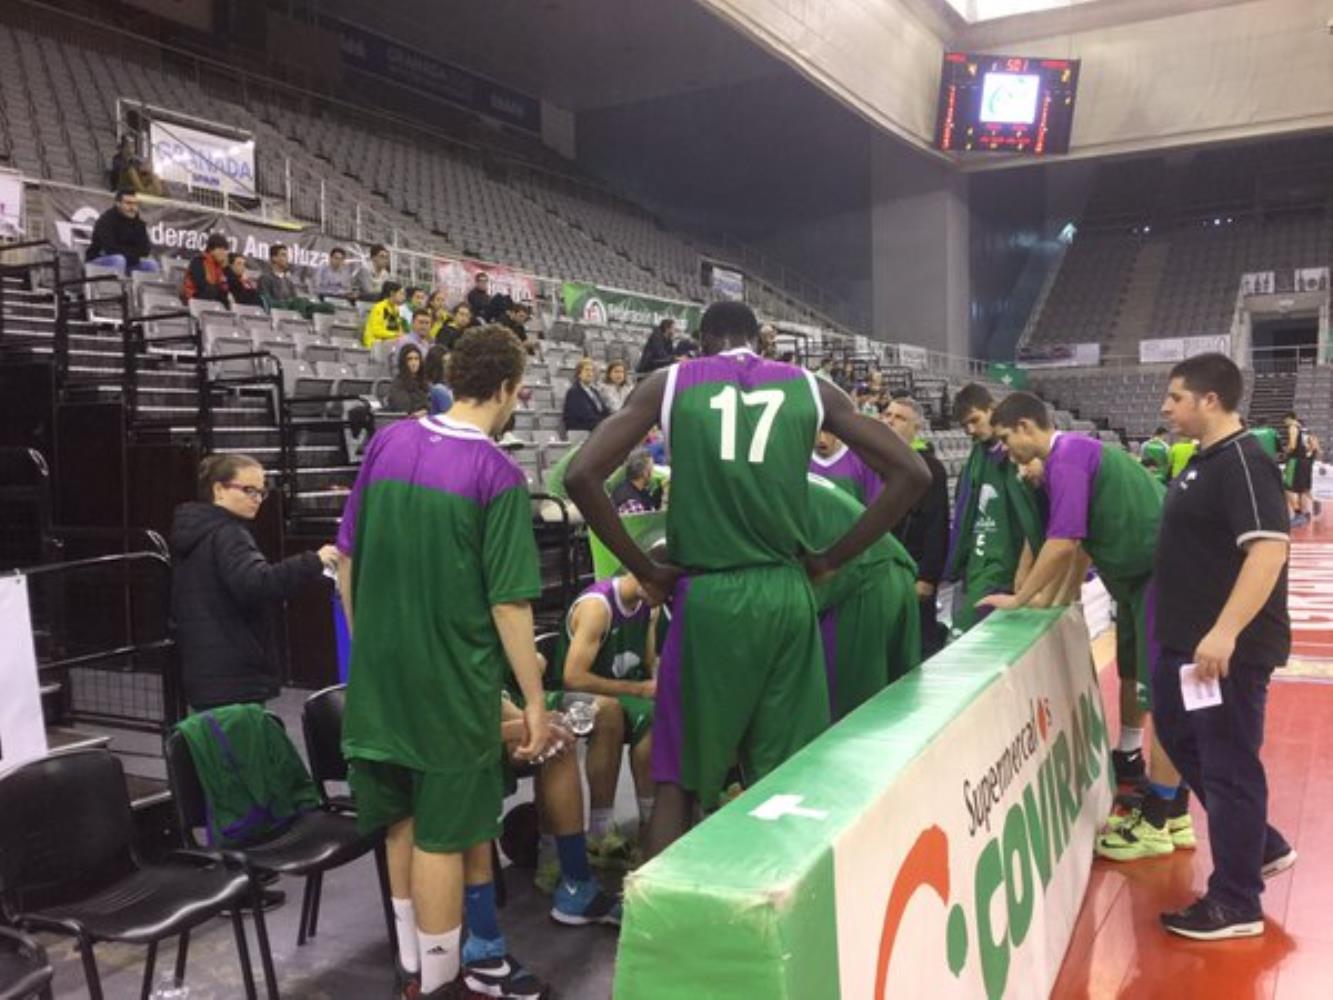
column 439, row 528
column 1100, row 496
column 740, row 430
column 846, row 470
column 832, row 513
column 624, row 647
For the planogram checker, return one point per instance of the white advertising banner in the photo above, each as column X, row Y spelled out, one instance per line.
column 728, row 283
column 199, row 159
column 11, row 204
column 912, row 356
column 967, row 880
column 1258, row 283
column 22, row 731
column 1062, row 356
column 1216, row 343
column 1162, row 351
column 1311, row 279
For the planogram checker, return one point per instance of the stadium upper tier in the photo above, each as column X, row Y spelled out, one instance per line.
column 1161, row 247
column 347, row 170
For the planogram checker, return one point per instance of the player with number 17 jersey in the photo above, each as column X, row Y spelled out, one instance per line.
column 741, row 672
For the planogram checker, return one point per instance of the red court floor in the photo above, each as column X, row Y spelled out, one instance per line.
column 1118, row 948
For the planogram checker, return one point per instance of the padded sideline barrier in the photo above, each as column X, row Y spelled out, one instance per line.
column 936, row 843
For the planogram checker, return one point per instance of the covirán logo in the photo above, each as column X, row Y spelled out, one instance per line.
column 1058, row 766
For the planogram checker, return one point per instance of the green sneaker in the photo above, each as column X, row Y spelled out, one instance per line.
column 1133, row 839
column 1181, row 829
column 613, row 852
column 547, row 877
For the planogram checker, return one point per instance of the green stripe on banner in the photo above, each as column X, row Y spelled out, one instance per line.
column 977, row 782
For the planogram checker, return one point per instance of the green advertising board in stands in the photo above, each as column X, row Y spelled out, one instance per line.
column 935, row 843
column 599, row 306
column 1007, row 374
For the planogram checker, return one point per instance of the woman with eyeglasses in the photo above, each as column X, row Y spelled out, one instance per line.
column 225, row 595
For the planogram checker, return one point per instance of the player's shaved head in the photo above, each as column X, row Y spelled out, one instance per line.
column 726, row 325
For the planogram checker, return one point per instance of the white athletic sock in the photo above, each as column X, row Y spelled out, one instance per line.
column 600, row 822
column 439, row 958
column 1130, row 739
column 405, row 917
column 645, row 808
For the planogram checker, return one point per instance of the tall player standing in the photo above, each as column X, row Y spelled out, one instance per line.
column 741, row 674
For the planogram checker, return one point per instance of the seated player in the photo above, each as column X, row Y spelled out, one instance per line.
column 844, row 468
column 579, row 899
column 868, row 615
column 608, row 649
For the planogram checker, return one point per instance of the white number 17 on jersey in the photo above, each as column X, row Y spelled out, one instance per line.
column 725, row 401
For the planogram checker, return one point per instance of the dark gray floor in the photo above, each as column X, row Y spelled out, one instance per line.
column 350, row 958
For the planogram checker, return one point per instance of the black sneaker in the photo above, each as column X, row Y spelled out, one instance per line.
column 1207, row 920
column 502, row 977
column 1128, row 766
column 1279, row 862
column 408, row 983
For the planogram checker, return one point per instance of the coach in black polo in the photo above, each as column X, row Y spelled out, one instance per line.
column 1222, row 604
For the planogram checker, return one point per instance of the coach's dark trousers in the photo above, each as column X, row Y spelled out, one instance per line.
column 1217, row 752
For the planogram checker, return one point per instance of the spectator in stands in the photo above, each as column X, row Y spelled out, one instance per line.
column 657, row 352
column 413, row 304
column 685, row 347
column 584, row 406
column 419, row 330
column 439, row 313
column 924, row 532
column 243, row 290
column 206, row 274
column 371, row 277
column 515, row 319
column 615, row 387
column 441, row 398
column 335, row 280
column 454, row 326
column 279, row 288
column 768, row 341
column 120, row 238
column 410, row 392
column 636, row 494
column 479, row 297
column 128, row 171
column 384, row 321
column 224, row 594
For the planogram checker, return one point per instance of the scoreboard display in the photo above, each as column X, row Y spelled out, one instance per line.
column 1005, row 104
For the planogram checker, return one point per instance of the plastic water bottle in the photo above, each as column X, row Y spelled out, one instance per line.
column 579, row 717
column 168, row 990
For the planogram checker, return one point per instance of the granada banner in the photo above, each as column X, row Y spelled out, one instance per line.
column 196, row 158
column 22, row 732
column 11, row 204
column 456, row 278
column 178, row 229
column 599, row 306
column 948, row 859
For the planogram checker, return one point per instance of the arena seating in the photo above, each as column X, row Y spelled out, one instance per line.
column 389, row 179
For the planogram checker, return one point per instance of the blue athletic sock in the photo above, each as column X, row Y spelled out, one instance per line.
column 1167, row 792
column 572, row 850
column 479, row 909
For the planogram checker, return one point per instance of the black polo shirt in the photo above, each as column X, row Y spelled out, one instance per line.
column 1228, row 495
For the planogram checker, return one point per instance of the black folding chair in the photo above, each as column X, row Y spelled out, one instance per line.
column 313, row 843
column 68, row 866
column 322, row 724
column 24, row 970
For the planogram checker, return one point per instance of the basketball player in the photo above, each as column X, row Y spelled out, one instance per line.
column 741, row 675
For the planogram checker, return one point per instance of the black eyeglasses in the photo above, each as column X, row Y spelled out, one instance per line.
column 251, row 492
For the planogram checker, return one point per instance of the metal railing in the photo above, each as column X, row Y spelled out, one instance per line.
column 102, row 631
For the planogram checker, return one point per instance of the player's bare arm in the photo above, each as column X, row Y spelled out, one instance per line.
column 589, row 623
column 905, row 476
column 608, row 447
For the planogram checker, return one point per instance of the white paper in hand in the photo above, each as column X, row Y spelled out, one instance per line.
column 1195, row 691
